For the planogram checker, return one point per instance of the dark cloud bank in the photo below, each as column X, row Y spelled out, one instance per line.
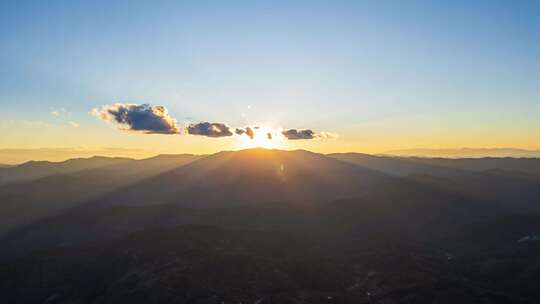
column 144, row 118
column 294, row 134
column 210, row 129
column 156, row 120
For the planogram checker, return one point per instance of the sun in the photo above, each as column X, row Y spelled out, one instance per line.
column 263, row 137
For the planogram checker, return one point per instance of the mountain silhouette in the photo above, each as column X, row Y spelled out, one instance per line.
column 397, row 166
column 37, row 169
column 271, row 226
column 466, row 153
column 253, row 176
column 83, row 179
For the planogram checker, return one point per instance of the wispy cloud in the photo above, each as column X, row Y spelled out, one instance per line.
column 27, row 123
column 327, row 135
column 59, row 112
column 73, row 124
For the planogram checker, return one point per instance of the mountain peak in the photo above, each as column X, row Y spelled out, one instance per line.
column 253, row 176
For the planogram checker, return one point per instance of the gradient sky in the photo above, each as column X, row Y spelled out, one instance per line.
column 382, row 74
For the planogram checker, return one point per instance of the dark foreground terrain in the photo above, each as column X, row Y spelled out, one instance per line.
column 267, row 226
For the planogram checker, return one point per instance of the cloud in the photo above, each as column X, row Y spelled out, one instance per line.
column 294, row 134
column 73, row 124
column 239, row 131
column 210, row 129
column 59, row 112
column 248, row 131
column 156, row 120
column 133, row 117
column 25, row 123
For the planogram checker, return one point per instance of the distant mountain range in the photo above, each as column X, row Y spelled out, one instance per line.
column 36, row 190
column 37, row 169
column 19, row 156
column 39, row 190
column 465, row 152
column 11, row 157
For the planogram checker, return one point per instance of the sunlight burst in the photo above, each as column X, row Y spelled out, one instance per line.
column 264, row 137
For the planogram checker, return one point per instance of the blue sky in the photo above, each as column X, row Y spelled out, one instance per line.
column 362, row 69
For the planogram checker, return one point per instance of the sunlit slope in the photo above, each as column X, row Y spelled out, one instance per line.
column 253, row 176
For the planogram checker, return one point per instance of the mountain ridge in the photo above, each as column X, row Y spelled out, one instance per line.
column 465, row 152
column 247, row 174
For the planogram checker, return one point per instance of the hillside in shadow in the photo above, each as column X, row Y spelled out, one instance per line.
column 271, row 226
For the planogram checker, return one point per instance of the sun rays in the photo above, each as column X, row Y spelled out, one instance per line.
column 263, row 137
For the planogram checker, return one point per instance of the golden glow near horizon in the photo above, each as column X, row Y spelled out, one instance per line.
column 377, row 100
column 60, row 141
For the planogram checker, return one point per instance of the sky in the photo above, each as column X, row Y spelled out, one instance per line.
column 376, row 75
